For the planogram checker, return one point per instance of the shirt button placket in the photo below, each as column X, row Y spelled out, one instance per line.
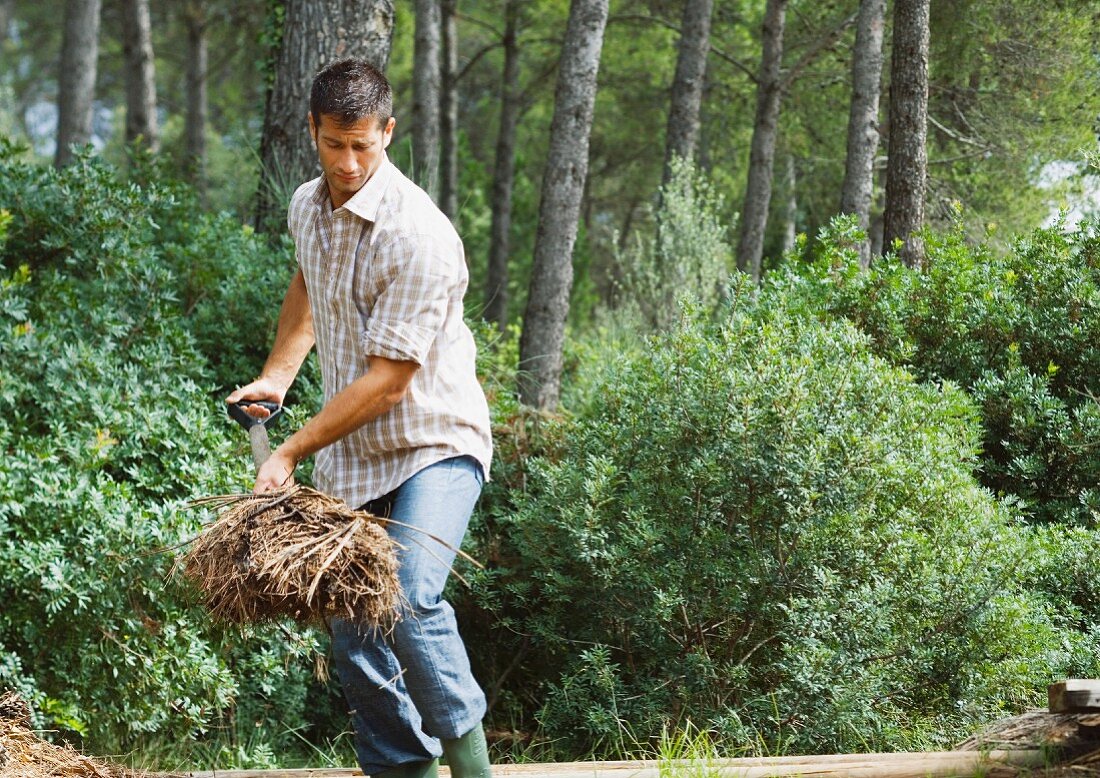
column 337, row 255
column 339, row 228
column 330, row 293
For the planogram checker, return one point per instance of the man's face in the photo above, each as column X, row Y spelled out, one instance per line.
column 349, row 155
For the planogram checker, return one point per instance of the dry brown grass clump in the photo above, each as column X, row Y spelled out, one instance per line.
column 24, row 755
column 294, row 552
column 1069, row 741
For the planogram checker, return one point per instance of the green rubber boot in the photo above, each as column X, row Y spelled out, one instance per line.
column 468, row 756
column 428, row 769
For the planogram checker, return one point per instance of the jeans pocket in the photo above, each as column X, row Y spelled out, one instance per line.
column 464, row 466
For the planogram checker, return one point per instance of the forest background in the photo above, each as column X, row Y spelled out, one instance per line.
column 798, row 482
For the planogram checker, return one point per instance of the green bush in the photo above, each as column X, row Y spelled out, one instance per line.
column 1020, row 331
column 762, row 528
column 111, row 418
column 688, row 255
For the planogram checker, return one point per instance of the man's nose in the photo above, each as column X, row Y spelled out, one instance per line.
column 346, row 162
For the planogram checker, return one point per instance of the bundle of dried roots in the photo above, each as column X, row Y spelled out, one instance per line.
column 24, row 755
column 297, row 553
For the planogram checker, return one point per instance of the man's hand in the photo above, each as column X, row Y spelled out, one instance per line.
column 277, row 471
column 261, row 389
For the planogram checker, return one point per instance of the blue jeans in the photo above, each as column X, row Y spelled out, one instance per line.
column 412, row 687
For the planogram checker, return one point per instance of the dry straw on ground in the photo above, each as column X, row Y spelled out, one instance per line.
column 25, row 755
column 1070, row 741
column 294, row 552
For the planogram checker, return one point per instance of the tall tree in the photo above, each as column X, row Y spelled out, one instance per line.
column 141, row 86
column 426, row 83
column 540, row 348
column 448, row 112
column 687, row 84
column 76, row 81
column 758, row 190
column 6, row 9
column 790, row 210
column 314, row 33
column 907, row 165
column 773, row 84
column 504, row 171
column 195, row 118
column 876, row 221
column 863, row 131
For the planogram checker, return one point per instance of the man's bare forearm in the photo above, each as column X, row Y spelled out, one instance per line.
column 368, row 397
column 293, row 340
column 293, row 337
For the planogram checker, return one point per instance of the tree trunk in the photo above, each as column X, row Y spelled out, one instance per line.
column 875, row 237
column 7, row 8
column 425, row 109
column 141, row 85
column 195, row 119
column 562, row 189
column 758, row 191
column 315, row 33
column 790, row 212
column 907, row 165
column 504, row 172
column 687, row 85
column 878, row 204
column 448, row 114
column 863, row 133
column 76, row 82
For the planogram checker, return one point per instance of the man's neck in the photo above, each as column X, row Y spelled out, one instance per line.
column 336, row 200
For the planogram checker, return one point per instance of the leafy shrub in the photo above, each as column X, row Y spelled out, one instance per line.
column 108, row 422
column 764, row 529
column 688, row 255
column 1021, row 331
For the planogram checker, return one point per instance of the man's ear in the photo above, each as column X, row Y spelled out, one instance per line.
column 387, row 132
column 312, row 128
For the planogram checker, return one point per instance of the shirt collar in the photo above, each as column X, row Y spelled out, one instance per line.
column 368, row 199
column 320, row 192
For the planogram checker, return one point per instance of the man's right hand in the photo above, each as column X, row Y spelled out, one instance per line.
column 264, row 389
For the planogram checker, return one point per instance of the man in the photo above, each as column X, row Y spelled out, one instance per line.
column 404, row 430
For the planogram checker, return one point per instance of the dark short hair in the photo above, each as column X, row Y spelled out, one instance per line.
column 349, row 90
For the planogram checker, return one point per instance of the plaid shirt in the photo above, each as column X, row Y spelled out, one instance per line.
column 385, row 274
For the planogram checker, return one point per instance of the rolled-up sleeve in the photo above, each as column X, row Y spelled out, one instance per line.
column 412, row 308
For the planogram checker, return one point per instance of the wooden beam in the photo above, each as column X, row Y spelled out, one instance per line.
column 943, row 764
column 1074, row 695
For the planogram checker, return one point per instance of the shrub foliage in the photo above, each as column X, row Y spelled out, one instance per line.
column 1020, row 330
column 115, row 333
column 762, row 527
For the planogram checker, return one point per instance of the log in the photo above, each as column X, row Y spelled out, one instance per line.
column 1074, row 695
column 942, row 764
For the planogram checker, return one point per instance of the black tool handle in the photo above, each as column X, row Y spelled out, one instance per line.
column 238, row 413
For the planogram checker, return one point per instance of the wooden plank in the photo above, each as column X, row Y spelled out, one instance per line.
column 943, row 764
column 1088, row 726
column 1074, row 695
